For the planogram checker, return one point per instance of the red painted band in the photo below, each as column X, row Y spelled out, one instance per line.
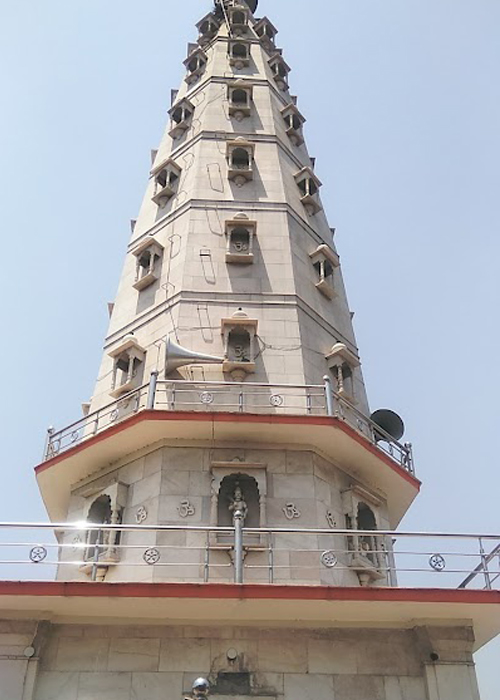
column 245, row 592
column 230, row 418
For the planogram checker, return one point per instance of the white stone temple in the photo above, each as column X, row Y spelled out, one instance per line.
column 225, row 508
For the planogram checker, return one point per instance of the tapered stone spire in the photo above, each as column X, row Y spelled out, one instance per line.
column 231, row 253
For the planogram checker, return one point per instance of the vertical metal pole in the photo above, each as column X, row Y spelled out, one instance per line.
column 391, row 562
column 153, row 380
column 50, row 432
column 409, row 455
column 484, row 561
column 271, row 558
column 240, row 402
column 206, row 570
column 328, row 395
column 96, row 555
column 238, row 546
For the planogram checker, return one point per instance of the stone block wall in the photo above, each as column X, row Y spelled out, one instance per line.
column 299, row 489
column 93, row 662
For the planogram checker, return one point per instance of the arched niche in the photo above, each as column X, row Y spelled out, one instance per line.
column 252, row 479
column 104, row 505
column 367, row 553
column 100, row 513
column 250, row 494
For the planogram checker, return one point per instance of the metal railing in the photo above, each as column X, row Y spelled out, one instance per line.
column 291, row 556
column 232, row 397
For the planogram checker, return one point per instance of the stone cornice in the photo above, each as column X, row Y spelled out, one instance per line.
column 253, row 299
column 229, row 206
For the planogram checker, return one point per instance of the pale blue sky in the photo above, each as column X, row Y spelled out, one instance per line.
column 402, row 99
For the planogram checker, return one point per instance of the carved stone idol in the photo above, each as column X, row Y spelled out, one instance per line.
column 237, row 504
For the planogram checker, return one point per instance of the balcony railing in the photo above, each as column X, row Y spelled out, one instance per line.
column 233, row 397
column 291, row 556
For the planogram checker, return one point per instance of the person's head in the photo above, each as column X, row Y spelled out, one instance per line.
column 201, row 688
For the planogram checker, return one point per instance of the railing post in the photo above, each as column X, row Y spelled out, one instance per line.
column 271, row 558
column 96, row 423
column 50, row 432
column 328, row 395
column 484, row 562
column 206, row 567
column 238, row 519
column 153, row 380
column 95, row 563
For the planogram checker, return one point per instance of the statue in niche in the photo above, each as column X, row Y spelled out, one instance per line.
column 237, row 503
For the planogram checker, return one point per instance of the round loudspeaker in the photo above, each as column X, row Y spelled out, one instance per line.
column 389, row 422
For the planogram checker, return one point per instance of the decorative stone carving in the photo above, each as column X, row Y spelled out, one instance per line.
column 186, row 509
column 38, row 554
column 291, row 511
column 151, row 556
column 330, row 519
column 141, row 515
column 329, row 559
column 238, row 503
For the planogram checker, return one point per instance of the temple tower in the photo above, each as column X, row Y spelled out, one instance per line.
column 231, row 305
column 228, row 481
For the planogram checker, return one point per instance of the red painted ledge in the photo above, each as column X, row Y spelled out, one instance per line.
column 217, row 417
column 245, row 592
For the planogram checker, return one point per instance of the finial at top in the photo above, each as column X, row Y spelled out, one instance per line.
column 252, row 4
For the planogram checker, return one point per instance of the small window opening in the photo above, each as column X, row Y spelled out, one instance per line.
column 167, row 178
column 366, row 518
column 193, row 65
column 343, row 380
column 324, row 268
column 240, row 159
column 240, row 240
column 208, row 28
column 178, row 115
column 279, row 69
column 239, row 18
column 308, row 187
column 126, row 369
column 239, row 346
column 239, row 97
column 240, row 51
column 122, row 364
column 144, row 261
column 266, row 32
column 293, row 122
